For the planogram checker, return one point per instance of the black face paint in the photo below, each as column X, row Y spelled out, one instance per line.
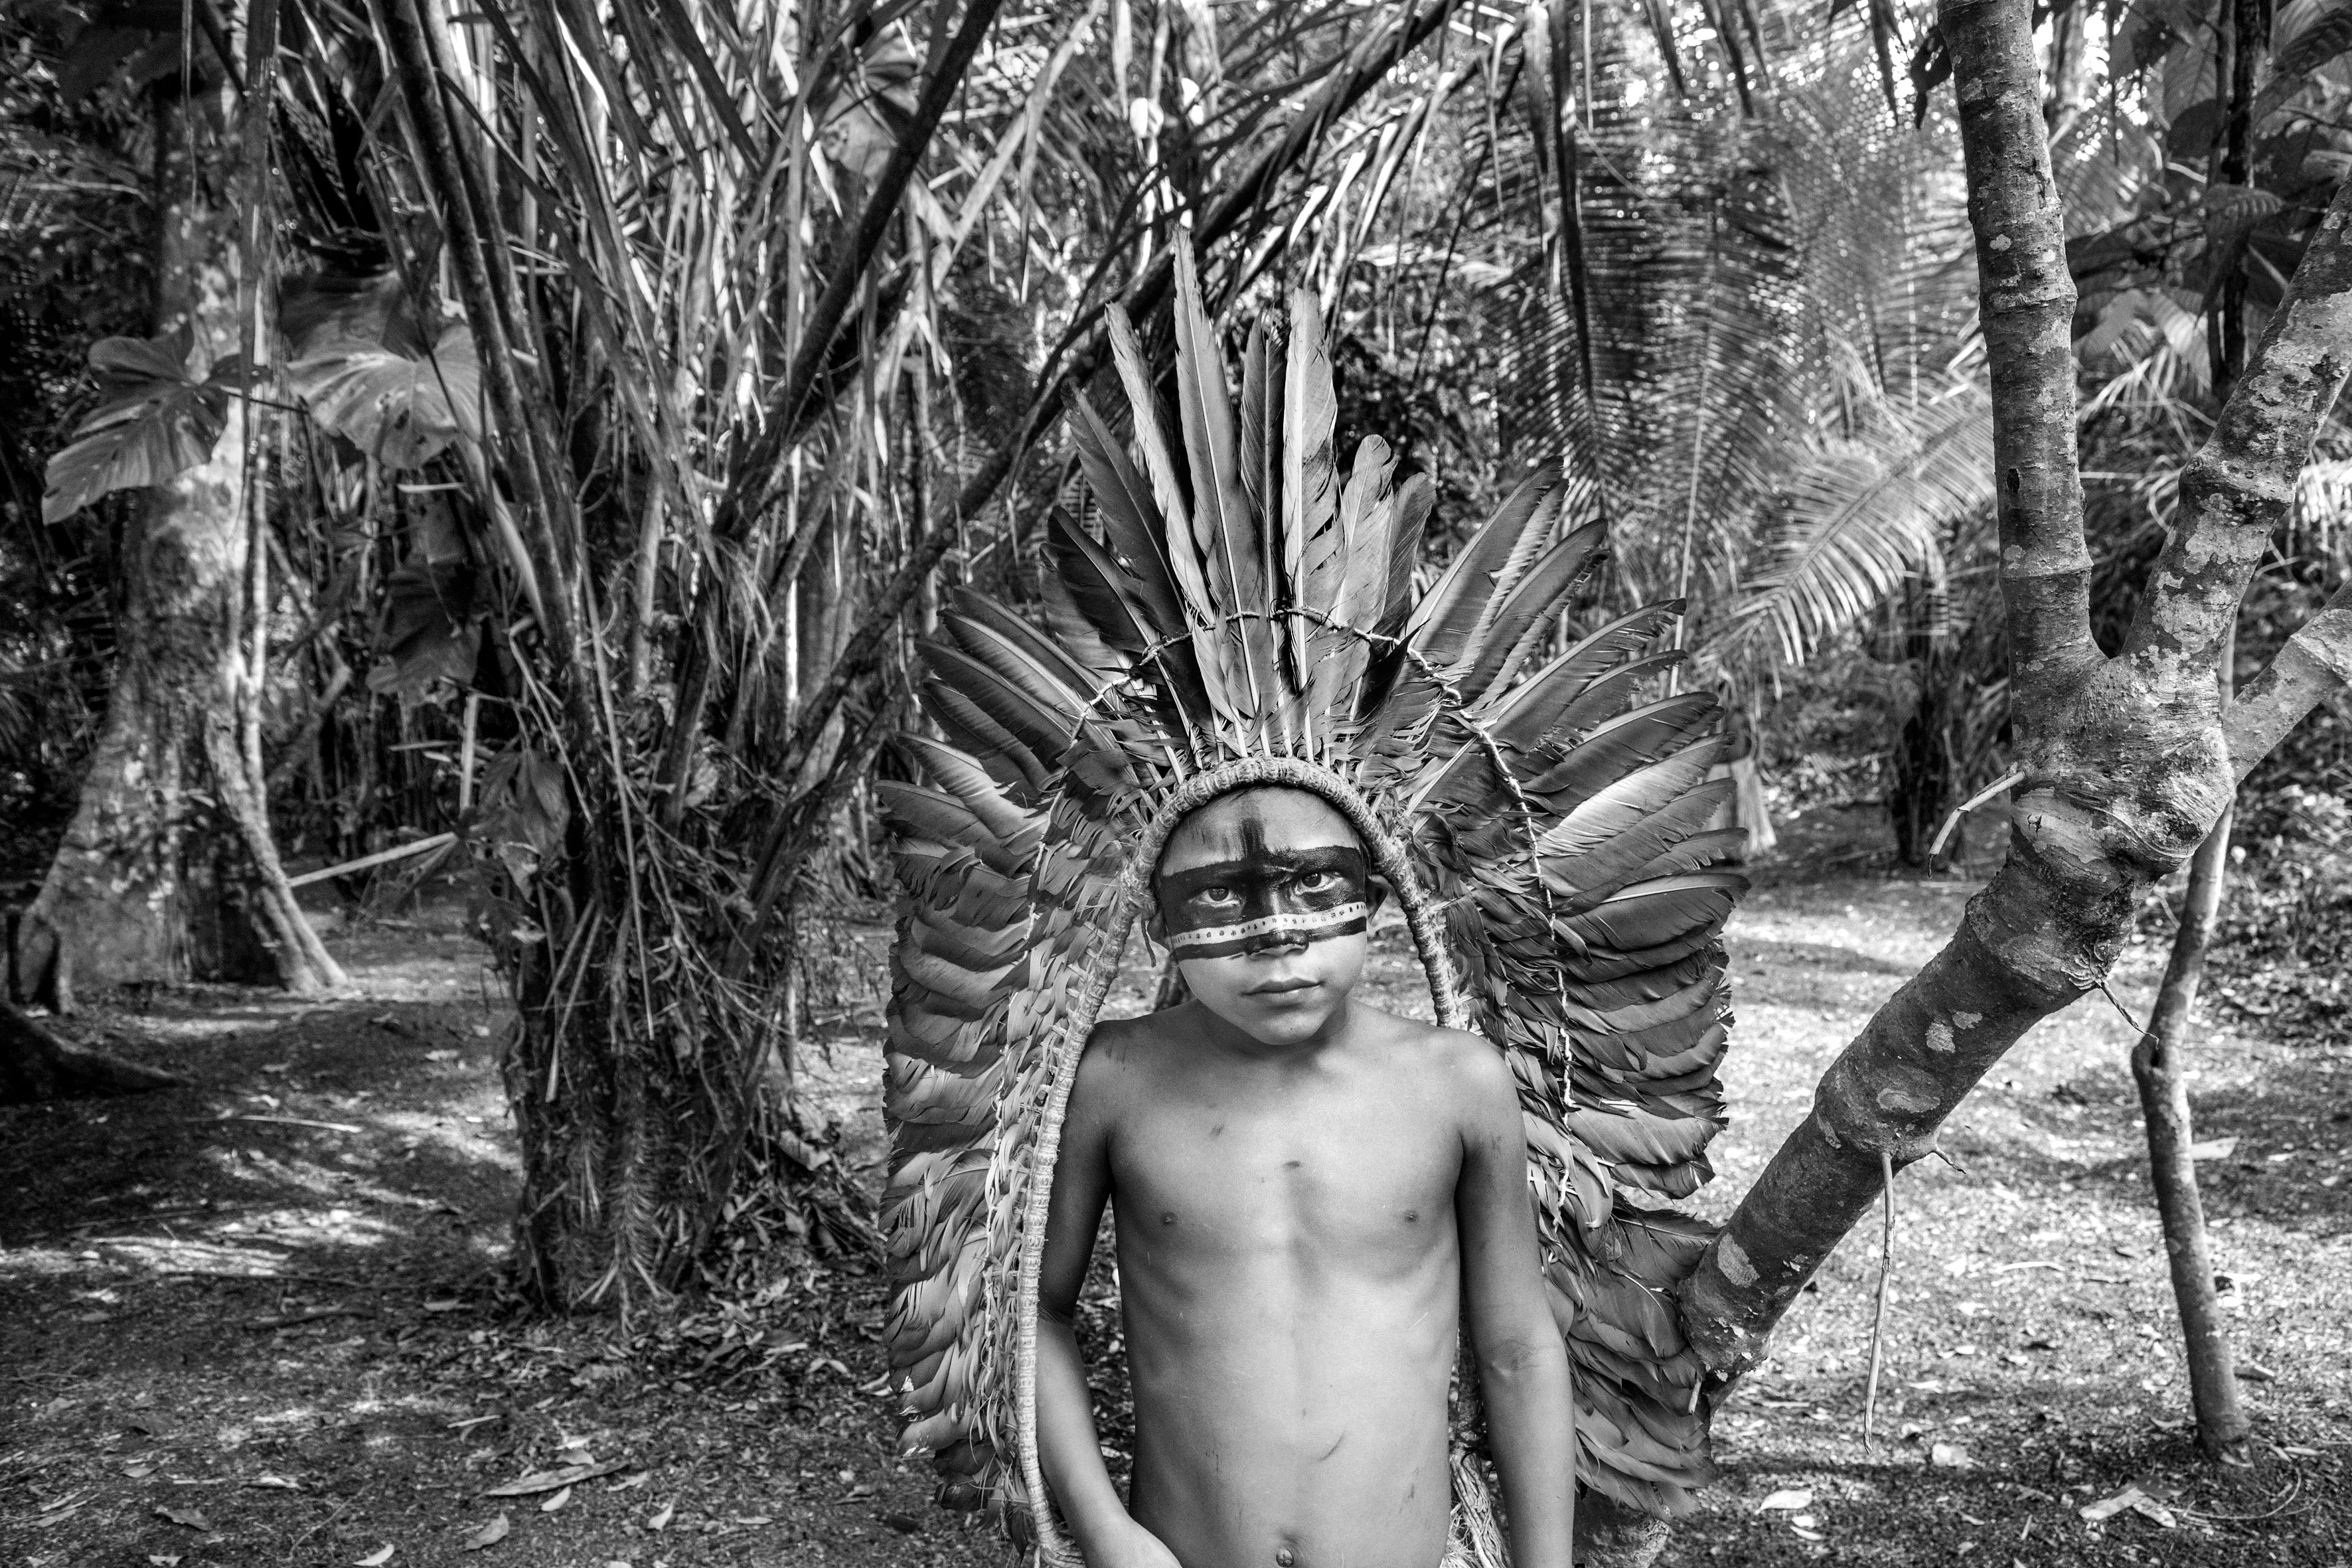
column 1268, row 899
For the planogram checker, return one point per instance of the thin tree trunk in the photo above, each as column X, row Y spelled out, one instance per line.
column 2158, row 1070
column 146, row 887
column 35, row 1065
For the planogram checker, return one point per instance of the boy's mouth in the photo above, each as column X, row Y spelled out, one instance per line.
column 1278, row 987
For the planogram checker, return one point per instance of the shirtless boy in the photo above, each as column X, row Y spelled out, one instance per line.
column 1312, row 1197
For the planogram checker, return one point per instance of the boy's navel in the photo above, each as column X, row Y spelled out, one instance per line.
column 1167, row 1217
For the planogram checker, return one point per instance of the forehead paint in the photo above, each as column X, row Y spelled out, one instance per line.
column 1267, row 899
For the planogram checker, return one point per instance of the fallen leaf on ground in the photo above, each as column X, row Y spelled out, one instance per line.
column 631, row 1483
column 554, row 1480
column 163, row 1559
column 376, row 1559
column 556, row 1501
column 186, row 1516
column 277, row 1483
column 752, row 1518
column 661, row 1521
column 2213, row 1149
column 2107, row 1508
column 1789, row 1500
column 1949, row 1457
column 2255, row 1372
column 444, row 1306
column 904, row 1523
column 490, row 1534
column 2147, row 1508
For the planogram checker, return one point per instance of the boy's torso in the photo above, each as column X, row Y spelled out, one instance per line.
column 1290, row 1275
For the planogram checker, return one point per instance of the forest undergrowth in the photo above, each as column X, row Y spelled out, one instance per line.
column 262, row 1320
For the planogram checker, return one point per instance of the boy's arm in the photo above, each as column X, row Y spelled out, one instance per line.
column 1068, row 1447
column 1522, row 1361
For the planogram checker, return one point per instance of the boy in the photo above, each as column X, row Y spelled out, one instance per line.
column 1312, row 1195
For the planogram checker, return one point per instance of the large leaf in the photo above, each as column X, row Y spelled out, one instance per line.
column 431, row 628
column 402, row 409
column 155, row 421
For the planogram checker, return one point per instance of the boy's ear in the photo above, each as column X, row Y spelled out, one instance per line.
column 1377, row 891
column 1155, row 928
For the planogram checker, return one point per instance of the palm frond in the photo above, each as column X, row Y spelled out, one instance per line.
column 1860, row 516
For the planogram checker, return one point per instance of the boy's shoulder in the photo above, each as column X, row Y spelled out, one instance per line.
column 1121, row 1045
column 1455, row 1054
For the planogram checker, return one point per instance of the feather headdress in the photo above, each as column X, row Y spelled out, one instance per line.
column 1249, row 614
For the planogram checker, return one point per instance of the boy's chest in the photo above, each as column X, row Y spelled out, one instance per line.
column 1361, row 1175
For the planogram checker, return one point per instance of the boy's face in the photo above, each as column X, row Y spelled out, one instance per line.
column 1264, row 901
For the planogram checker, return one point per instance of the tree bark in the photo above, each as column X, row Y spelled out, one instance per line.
column 35, row 1065
column 2221, row 1428
column 2127, row 765
column 148, row 884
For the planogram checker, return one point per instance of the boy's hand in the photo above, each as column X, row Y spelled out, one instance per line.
column 1131, row 1547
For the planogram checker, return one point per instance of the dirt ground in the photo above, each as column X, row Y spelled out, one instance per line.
column 256, row 1321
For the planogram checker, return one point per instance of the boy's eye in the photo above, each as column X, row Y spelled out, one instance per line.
column 1318, row 882
column 1215, row 895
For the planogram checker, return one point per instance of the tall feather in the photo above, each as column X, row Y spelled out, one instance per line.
column 1224, row 528
column 1471, row 590
column 1130, row 522
column 1166, row 485
column 1183, row 553
column 1112, row 600
column 1315, row 539
column 1504, row 634
column 1261, row 436
column 1408, row 522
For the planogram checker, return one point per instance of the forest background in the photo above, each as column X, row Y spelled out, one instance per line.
column 526, row 445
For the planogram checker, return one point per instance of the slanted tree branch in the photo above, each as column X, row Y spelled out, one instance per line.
column 2127, row 767
column 2316, row 664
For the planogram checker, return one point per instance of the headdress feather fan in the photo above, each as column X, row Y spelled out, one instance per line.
column 1246, row 616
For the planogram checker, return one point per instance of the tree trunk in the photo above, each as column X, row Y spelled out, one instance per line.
column 1924, row 764
column 149, row 882
column 2221, row 1428
column 35, row 1065
column 2128, row 762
